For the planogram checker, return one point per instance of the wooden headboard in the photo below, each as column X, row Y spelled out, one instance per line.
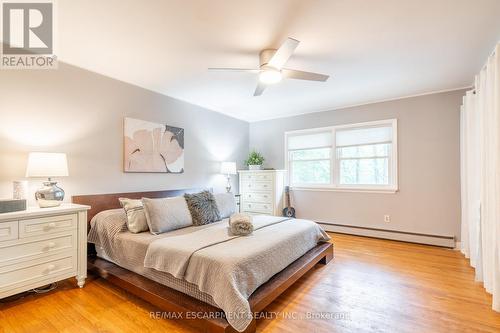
column 100, row 202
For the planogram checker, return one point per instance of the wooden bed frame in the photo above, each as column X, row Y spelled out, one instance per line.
column 170, row 300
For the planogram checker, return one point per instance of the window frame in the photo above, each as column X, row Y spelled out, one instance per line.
column 334, row 184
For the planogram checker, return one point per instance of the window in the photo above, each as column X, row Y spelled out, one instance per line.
column 310, row 158
column 354, row 157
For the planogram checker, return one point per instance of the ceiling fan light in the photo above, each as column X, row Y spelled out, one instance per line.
column 270, row 76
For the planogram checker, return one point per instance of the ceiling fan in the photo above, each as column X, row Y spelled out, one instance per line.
column 272, row 70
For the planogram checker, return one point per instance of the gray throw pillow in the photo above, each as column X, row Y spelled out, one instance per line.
column 136, row 220
column 166, row 214
column 226, row 204
column 203, row 207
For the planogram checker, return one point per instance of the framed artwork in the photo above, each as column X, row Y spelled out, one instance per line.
column 152, row 147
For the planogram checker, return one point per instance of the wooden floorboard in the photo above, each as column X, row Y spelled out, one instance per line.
column 372, row 285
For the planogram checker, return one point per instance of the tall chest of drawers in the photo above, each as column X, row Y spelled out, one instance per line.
column 261, row 191
column 40, row 246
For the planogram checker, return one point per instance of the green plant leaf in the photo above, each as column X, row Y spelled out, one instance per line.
column 254, row 158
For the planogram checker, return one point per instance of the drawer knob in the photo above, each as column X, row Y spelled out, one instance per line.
column 51, row 245
column 50, row 268
column 51, row 225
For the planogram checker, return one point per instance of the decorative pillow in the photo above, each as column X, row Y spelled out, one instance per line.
column 226, row 204
column 166, row 214
column 106, row 225
column 136, row 220
column 203, row 207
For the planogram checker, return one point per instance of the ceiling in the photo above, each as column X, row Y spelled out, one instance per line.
column 372, row 49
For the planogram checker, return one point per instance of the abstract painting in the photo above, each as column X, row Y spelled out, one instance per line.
column 153, row 147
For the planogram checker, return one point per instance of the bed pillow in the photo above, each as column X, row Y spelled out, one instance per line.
column 136, row 219
column 105, row 226
column 166, row 214
column 203, row 207
column 226, row 204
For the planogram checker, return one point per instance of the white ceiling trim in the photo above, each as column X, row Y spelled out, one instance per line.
column 367, row 103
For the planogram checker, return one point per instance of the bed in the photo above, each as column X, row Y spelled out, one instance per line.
column 262, row 274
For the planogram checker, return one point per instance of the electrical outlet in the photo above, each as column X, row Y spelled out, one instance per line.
column 387, row 218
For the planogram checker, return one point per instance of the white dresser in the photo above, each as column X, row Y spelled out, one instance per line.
column 261, row 191
column 40, row 246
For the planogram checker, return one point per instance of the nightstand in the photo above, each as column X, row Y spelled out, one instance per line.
column 40, row 246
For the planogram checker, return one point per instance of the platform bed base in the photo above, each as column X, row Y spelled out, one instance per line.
column 170, row 300
column 212, row 321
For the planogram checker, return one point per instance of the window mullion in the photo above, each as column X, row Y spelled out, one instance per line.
column 311, row 159
column 366, row 144
column 363, row 158
column 311, row 148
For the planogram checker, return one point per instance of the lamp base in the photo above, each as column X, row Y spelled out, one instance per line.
column 49, row 195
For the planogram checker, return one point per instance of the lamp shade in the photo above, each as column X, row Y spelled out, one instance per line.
column 228, row 168
column 47, row 165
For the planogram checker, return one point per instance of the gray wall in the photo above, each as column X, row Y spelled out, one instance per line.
column 429, row 169
column 81, row 113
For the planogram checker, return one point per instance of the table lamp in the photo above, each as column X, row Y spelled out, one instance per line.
column 48, row 165
column 228, row 169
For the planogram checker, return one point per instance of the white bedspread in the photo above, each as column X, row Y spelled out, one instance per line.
column 230, row 268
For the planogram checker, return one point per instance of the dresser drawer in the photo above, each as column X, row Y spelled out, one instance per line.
column 47, row 225
column 257, row 197
column 33, row 271
column 20, row 250
column 256, row 186
column 9, row 231
column 256, row 207
column 251, row 177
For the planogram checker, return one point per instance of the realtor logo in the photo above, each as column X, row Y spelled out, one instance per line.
column 28, row 35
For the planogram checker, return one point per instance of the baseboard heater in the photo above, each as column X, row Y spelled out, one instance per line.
column 412, row 237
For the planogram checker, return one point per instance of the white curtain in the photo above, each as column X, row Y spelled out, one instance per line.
column 480, row 175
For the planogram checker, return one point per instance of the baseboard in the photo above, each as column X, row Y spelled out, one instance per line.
column 411, row 237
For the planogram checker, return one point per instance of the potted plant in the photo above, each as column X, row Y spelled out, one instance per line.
column 254, row 160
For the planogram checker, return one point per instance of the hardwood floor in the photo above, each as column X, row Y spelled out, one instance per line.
column 372, row 285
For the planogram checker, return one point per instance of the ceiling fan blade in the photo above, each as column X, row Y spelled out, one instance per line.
column 251, row 70
column 260, row 89
column 300, row 75
column 279, row 59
